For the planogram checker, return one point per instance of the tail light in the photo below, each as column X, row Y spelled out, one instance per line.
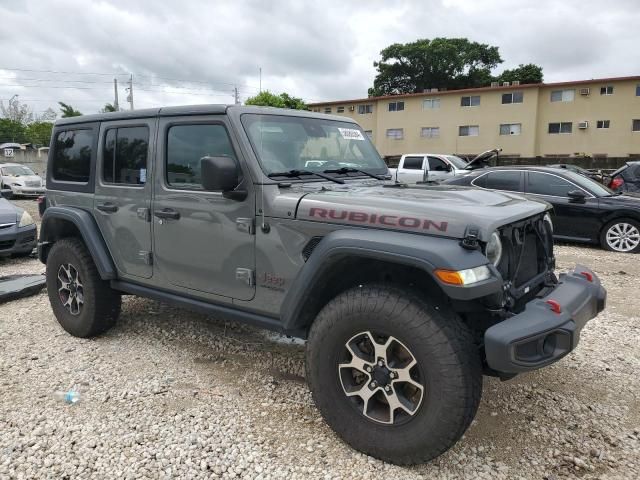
column 616, row 183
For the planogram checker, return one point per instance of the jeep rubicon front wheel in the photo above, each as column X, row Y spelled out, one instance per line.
column 83, row 303
column 397, row 378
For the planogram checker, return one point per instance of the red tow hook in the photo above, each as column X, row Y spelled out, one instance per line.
column 587, row 275
column 555, row 306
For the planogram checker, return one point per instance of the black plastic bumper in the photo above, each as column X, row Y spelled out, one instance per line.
column 16, row 239
column 549, row 327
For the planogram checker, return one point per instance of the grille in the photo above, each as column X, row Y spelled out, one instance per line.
column 4, row 245
column 309, row 247
column 32, row 183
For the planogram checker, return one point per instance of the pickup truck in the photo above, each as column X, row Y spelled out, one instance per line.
column 434, row 167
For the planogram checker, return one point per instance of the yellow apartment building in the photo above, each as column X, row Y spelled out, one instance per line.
column 598, row 118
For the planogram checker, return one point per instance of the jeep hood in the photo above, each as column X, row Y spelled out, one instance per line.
column 443, row 210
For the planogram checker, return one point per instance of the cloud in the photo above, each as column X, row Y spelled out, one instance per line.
column 198, row 51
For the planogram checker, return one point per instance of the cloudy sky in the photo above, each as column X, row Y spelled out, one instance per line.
column 197, row 51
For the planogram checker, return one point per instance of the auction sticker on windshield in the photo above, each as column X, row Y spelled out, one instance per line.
column 351, row 133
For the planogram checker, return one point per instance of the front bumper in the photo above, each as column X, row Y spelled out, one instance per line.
column 16, row 239
column 549, row 327
column 27, row 191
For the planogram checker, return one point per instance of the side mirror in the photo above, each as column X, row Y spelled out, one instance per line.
column 576, row 196
column 220, row 174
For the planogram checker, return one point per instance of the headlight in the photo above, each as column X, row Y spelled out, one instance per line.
column 463, row 277
column 25, row 220
column 493, row 251
column 547, row 218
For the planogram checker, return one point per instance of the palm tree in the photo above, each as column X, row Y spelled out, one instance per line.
column 68, row 111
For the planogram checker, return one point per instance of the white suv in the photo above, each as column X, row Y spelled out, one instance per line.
column 21, row 180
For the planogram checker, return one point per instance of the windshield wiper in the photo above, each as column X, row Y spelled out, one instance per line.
column 351, row 169
column 299, row 173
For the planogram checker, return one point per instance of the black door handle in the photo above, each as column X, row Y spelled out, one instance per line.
column 107, row 207
column 167, row 213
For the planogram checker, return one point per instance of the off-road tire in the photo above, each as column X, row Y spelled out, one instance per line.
column 443, row 348
column 101, row 304
column 619, row 221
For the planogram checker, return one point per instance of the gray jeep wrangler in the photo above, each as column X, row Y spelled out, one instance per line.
column 287, row 220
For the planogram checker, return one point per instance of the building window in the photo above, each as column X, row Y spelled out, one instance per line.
column 430, row 132
column 563, row 95
column 316, row 109
column 369, row 133
column 510, row 128
column 560, row 127
column 635, row 125
column 431, row 103
column 72, row 152
column 515, row 97
column 471, row 101
column 364, row 109
column 469, row 130
column 124, row 158
column 608, row 90
column 603, row 123
column 327, row 110
column 396, row 106
column 340, row 110
column 395, row 133
column 638, row 90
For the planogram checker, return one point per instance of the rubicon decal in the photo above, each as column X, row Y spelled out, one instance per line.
column 378, row 219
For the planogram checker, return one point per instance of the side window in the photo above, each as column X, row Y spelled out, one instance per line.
column 186, row 145
column 413, row 163
column 72, row 152
column 544, row 184
column 437, row 164
column 507, row 180
column 125, row 155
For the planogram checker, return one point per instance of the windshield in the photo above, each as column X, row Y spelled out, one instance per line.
column 592, row 186
column 283, row 143
column 16, row 170
column 456, row 161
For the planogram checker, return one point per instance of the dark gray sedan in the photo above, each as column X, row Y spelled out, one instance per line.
column 18, row 231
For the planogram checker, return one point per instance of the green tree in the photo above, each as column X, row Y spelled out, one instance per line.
column 284, row 100
column 39, row 133
column 529, row 73
column 12, row 131
column 68, row 111
column 439, row 63
column 108, row 107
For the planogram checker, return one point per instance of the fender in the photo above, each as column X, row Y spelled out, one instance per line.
column 85, row 223
column 424, row 252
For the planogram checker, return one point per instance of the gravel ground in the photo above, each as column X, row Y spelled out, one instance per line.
column 172, row 394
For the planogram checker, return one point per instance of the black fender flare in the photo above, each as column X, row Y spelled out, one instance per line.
column 424, row 252
column 52, row 225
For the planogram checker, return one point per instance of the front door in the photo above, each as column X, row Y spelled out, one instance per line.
column 203, row 241
column 122, row 198
column 439, row 170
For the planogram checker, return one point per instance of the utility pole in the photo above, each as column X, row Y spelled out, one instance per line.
column 236, row 96
column 130, row 89
column 115, row 95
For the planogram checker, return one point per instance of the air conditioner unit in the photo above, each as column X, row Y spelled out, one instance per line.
column 585, row 91
column 352, row 108
column 495, row 84
column 583, row 125
column 505, row 84
column 515, row 83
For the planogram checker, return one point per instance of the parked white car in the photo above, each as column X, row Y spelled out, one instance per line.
column 436, row 167
column 21, row 180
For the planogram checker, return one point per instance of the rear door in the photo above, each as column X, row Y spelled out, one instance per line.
column 411, row 169
column 203, row 241
column 122, row 198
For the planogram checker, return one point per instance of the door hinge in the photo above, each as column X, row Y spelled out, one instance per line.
column 147, row 257
column 246, row 275
column 144, row 214
column 247, row 225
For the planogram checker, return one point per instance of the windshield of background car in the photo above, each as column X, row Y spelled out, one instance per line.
column 16, row 170
column 456, row 161
column 284, row 143
column 588, row 184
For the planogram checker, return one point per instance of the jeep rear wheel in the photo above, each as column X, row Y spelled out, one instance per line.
column 395, row 377
column 83, row 303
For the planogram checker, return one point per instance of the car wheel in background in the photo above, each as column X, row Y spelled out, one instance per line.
column 621, row 235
